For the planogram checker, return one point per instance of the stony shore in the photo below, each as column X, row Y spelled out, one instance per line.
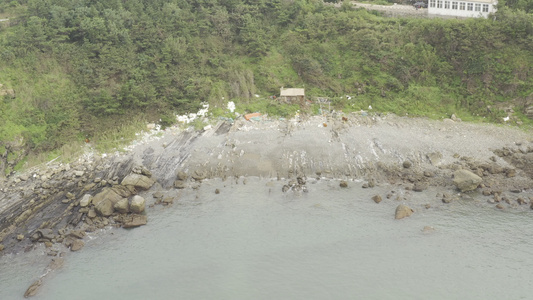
column 57, row 204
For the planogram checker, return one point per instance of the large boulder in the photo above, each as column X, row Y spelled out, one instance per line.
column 403, row 211
column 114, row 194
column 138, row 181
column 465, row 180
column 137, row 204
column 122, row 206
column 104, row 208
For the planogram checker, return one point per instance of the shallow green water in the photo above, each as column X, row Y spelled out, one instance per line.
column 254, row 242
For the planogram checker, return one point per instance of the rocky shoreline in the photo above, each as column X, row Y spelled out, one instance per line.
column 57, row 205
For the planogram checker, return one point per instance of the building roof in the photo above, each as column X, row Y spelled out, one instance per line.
column 494, row 2
column 291, row 92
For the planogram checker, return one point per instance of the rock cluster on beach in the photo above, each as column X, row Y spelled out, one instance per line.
column 58, row 205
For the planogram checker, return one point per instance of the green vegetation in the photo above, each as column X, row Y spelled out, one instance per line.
column 85, row 68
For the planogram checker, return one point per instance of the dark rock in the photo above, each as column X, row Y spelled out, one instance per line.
column 134, row 220
column 343, row 184
column 420, row 186
column 168, row 200
column 377, row 198
column 217, row 191
column 446, row 198
column 521, row 201
column 407, row 164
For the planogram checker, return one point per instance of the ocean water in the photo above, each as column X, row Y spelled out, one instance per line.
column 254, row 242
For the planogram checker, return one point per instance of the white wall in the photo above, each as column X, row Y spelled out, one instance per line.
column 447, row 8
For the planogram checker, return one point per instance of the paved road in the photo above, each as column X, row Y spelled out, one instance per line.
column 394, row 9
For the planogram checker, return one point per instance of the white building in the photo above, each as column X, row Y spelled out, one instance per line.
column 467, row 9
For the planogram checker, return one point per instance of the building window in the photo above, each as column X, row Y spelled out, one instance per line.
column 485, row 8
column 447, row 4
column 461, row 6
column 478, row 7
column 439, row 3
column 431, row 3
column 454, row 5
column 470, row 6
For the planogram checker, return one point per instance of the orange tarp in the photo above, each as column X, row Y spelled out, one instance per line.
column 249, row 116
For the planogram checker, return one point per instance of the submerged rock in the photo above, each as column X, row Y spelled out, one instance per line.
column 428, row 229
column 376, row 198
column 33, row 289
column 343, row 184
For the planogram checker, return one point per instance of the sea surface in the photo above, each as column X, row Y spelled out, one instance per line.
column 251, row 241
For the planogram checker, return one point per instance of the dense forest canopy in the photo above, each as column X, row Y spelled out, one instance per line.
column 79, row 67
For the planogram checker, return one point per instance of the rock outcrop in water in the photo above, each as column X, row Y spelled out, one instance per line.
column 403, row 211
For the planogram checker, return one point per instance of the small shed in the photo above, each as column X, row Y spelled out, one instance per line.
column 292, row 95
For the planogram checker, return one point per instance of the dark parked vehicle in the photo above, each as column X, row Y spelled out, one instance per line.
column 420, row 5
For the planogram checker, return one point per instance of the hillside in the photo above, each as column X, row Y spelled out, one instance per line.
column 77, row 70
